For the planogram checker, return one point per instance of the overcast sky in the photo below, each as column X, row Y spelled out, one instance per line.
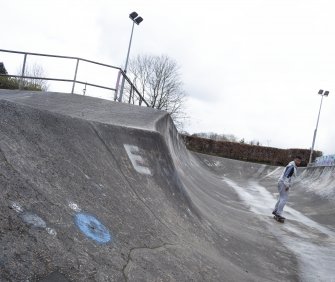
column 251, row 68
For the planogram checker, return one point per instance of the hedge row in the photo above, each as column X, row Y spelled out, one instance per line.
column 246, row 152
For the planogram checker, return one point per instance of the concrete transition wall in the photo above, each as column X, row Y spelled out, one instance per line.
column 246, row 152
column 93, row 190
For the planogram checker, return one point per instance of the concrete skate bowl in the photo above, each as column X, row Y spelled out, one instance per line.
column 93, row 190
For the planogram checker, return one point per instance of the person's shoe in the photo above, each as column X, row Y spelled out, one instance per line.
column 274, row 213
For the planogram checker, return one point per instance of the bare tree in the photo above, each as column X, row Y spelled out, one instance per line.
column 216, row 137
column 158, row 80
column 35, row 83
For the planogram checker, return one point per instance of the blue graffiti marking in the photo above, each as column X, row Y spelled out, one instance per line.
column 92, row 228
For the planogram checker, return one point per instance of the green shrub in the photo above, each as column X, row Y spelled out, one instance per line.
column 14, row 83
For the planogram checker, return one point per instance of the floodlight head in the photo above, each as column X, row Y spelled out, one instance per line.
column 138, row 20
column 326, row 93
column 133, row 15
column 320, row 92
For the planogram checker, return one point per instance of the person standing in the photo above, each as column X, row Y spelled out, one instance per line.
column 284, row 184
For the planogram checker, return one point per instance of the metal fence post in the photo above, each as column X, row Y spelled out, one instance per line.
column 75, row 76
column 23, row 71
column 122, row 87
column 117, row 85
column 131, row 93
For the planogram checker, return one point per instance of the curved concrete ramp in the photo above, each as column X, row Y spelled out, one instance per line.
column 93, row 190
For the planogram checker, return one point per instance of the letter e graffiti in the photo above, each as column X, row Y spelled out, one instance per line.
column 137, row 160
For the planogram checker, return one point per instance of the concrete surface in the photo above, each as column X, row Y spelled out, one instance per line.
column 93, row 190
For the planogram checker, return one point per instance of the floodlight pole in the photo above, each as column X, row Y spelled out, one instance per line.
column 317, row 124
column 131, row 38
column 136, row 19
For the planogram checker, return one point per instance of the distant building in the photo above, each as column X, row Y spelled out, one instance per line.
column 2, row 68
column 328, row 160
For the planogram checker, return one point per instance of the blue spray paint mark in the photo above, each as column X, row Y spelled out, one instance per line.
column 92, row 228
column 33, row 220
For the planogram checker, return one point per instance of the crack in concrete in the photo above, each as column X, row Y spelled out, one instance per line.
column 129, row 258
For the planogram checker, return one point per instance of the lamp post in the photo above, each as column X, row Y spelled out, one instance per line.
column 322, row 93
column 136, row 19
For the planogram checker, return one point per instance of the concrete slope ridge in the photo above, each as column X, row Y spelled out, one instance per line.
column 93, row 190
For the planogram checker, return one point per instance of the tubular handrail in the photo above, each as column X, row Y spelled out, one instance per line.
column 71, row 80
column 59, row 56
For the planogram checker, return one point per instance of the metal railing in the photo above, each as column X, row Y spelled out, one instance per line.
column 121, row 75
